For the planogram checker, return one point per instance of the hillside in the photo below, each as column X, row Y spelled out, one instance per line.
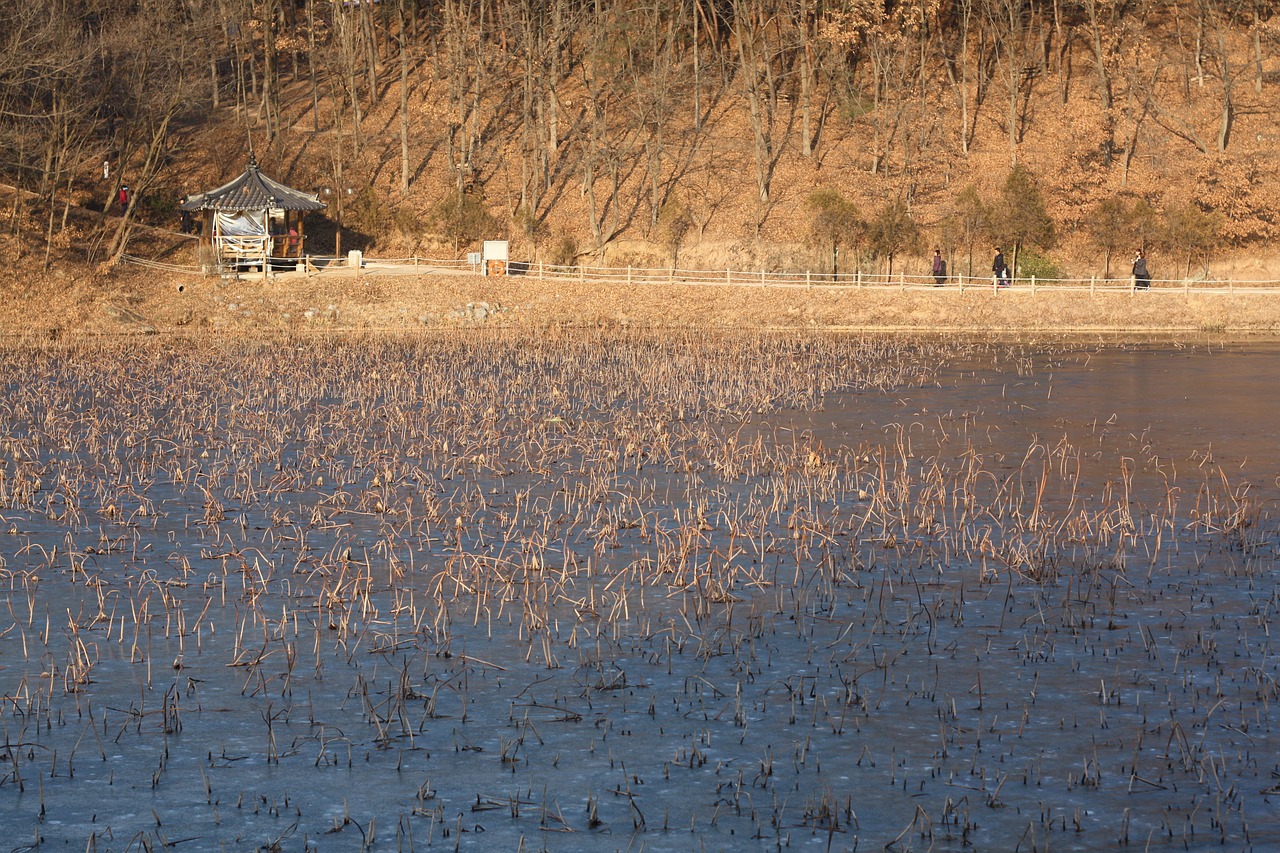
column 698, row 135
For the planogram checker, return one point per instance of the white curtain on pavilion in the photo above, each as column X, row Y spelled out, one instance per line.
column 241, row 232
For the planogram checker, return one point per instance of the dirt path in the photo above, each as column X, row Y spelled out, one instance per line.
column 153, row 301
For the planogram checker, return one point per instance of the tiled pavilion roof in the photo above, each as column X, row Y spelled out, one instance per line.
column 252, row 191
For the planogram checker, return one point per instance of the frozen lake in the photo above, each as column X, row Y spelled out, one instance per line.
column 615, row 591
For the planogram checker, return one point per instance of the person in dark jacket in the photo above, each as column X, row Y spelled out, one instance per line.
column 1141, row 276
column 939, row 269
column 999, row 269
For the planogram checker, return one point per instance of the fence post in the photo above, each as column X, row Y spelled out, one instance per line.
column 960, row 279
column 1231, row 288
column 628, row 275
column 1133, row 285
column 902, row 281
column 1092, row 281
column 581, row 273
column 540, row 272
column 728, row 277
column 808, row 280
column 859, row 278
column 762, row 278
column 1033, row 284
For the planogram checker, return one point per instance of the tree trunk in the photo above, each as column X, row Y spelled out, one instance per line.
column 368, row 39
column 404, row 107
column 311, row 66
column 1228, row 93
column 806, row 82
column 753, row 62
column 270, row 98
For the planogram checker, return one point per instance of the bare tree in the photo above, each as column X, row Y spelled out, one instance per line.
column 404, row 98
column 1221, row 18
column 48, row 70
column 1009, row 22
column 1105, row 33
column 653, row 76
column 1142, row 83
column 806, row 20
column 342, row 57
column 603, row 64
column 466, row 62
column 541, row 43
column 155, row 79
column 755, row 33
column 968, row 57
column 532, row 42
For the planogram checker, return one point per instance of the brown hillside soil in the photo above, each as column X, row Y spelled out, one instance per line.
column 1167, row 159
column 710, row 170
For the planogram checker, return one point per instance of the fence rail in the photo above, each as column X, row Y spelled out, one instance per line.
column 649, row 277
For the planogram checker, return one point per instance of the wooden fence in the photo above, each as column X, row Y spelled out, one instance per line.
column 652, row 277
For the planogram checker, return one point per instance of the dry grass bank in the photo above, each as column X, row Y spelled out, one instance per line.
column 137, row 302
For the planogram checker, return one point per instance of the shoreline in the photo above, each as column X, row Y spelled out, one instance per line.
column 147, row 302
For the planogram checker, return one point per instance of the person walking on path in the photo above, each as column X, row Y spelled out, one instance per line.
column 999, row 269
column 1141, row 276
column 939, row 269
column 122, row 198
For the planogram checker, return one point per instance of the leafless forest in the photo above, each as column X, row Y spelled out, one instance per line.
column 692, row 132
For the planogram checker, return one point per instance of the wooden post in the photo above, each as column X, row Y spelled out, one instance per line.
column 1033, row 284
column 628, row 275
column 859, row 278
column 1092, row 282
column 902, row 281
column 808, row 280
